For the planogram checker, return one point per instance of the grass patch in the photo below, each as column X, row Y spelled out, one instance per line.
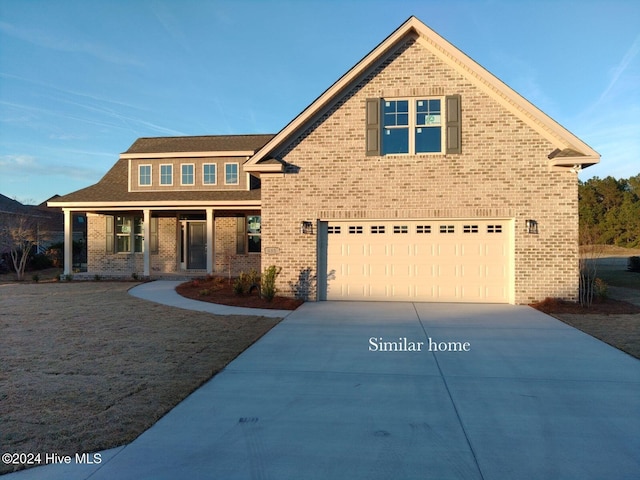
column 86, row 366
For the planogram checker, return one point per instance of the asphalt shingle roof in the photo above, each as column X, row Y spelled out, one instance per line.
column 205, row 143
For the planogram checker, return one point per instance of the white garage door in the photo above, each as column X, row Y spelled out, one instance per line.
column 438, row 261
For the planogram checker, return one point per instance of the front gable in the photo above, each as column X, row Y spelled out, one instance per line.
column 440, row 57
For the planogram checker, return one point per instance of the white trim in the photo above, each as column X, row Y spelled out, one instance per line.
column 150, row 174
column 157, row 204
column 160, row 175
column 215, row 174
column 265, row 168
column 193, row 174
column 234, row 153
column 237, row 182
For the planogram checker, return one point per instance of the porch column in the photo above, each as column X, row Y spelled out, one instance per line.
column 68, row 241
column 146, row 248
column 210, row 245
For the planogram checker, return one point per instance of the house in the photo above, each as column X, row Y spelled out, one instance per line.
column 418, row 175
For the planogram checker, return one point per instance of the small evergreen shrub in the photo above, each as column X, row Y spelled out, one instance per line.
column 268, row 288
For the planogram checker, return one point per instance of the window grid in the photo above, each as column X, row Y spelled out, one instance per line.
column 470, row 229
column 333, row 229
column 423, row 228
column 400, row 229
column 188, row 174
column 412, row 126
column 494, row 228
column 231, row 173
column 166, row 174
column 447, row 229
column 209, row 174
column 377, row 229
column 355, row 229
column 144, row 175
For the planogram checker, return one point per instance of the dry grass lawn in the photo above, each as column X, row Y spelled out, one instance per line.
column 86, row 366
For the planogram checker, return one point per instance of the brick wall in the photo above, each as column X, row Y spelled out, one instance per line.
column 225, row 255
column 502, row 171
column 125, row 264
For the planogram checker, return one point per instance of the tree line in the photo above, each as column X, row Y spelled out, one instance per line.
column 610, row 211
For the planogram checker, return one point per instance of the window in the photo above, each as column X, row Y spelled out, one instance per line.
column 187, row 174
column 447, row 229
column 144, row 175
column 400, row 229
column 377, row 228
column 494, row 228
column 125, row 234
column 253, row 231
column 129, row 231
column 333, row 229
column 231, row 173
column 166, row 174
column 413, row 125
column 355, row 229
column 423, row 228
column 470, row 229
column 209, row 174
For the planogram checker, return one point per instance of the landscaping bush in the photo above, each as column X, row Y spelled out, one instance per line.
column 40, row 261
column 268, row 288
column 633, row 264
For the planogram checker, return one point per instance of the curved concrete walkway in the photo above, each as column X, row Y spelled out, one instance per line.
column 164, row 292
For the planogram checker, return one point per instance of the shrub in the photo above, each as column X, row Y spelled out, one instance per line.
column 633, row 264
column 35, row 278
column 40, row 261
column 204, row 292
column 134, row 275
column 600, row 288
column 97, row 278
column 239, row 283
column 268, row 288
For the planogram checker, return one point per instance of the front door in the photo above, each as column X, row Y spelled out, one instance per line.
column 197, row 245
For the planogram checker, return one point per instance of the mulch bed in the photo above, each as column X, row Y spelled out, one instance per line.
column 600, row 306
column 220, row 290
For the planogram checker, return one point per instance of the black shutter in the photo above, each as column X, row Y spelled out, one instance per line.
column 109, row 235
column 240, row 235
column 454, row 120
column 373, row 126
column 153, row 240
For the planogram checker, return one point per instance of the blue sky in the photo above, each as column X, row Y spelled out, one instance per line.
column 81, row 80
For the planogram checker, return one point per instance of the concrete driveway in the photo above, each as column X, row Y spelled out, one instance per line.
column 531, row 399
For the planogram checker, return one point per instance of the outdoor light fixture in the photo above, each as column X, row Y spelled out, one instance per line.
column 532, row 226
column 306, row 227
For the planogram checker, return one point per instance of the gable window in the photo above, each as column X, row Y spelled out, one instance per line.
column 209, row 174
column 144, row 175
column 187, row 174
column 166, row 174
column 231, row 173
column 411, row 126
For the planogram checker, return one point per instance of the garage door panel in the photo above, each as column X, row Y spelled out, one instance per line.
column 421, row 260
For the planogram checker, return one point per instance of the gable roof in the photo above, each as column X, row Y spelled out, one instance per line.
column 413, row 28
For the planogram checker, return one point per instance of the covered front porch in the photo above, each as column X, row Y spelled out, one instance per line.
column 168, row 243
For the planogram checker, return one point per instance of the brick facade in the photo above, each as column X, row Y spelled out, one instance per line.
column 502, row 172
column 99, row 262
